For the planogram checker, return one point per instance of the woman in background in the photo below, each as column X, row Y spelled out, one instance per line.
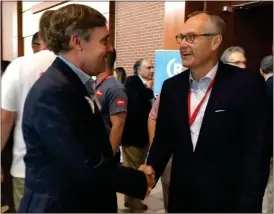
column 120, row 74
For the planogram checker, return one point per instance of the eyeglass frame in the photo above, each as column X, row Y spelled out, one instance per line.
column 182, row 36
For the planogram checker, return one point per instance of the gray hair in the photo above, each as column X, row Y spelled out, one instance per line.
column 227, row 53
column 267, row 64
column 216, row 21
column 137, row 65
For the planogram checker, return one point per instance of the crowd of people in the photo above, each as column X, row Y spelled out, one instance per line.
column 83, row 131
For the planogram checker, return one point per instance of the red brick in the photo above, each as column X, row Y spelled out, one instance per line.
column 139, row 31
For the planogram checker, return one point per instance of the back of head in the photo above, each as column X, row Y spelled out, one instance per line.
column 4, row 65
column 110, row 60
column 267, row 64
column 121, row 74
column 44, row 25
column 70, row 20
column 35, row 38
column 227, row 53
column 36, row 43
column 137, row 65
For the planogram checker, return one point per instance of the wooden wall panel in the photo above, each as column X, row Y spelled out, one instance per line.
column 174, row 20
column 1, row 24
column 192, row 6
column 254, row 32
column 229, row 18
column 12, row 41
column 111, row 22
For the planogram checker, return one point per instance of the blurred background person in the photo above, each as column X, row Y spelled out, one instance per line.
column 6, row 160
column 35, row 43
column 266, row 70
column 4, row 65
column 112, row 96
column 234, row 55
column 120, row 74
column 18, row 79
column 135, row 138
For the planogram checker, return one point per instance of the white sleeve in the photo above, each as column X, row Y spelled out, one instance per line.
column 9, row 86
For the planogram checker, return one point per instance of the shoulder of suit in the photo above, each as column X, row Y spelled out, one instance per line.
column 178, row 77
column 132, row 80
column 244, row 78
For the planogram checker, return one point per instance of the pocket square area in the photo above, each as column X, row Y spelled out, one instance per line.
column 220, row 110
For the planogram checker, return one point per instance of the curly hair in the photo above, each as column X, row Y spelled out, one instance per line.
column 44, row 25
column 69, row 20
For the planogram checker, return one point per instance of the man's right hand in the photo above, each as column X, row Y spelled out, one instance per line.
column 150, row 175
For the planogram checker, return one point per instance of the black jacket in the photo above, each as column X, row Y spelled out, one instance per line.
column 229, row 168
column 139, row 105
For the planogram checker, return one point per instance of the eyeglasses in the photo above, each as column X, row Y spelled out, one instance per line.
column 191, row 37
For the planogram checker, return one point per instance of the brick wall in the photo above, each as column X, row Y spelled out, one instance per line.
column 139, row 31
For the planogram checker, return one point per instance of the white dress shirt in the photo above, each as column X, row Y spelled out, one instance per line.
column 198, row 90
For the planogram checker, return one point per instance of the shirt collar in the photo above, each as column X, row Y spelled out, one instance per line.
column 142, row 80
column 211, row 74
column 268, row 77
column 82, row 75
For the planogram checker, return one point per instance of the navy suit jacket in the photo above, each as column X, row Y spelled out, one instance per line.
column 69, row 161
column 228, row 170
column 269, row 84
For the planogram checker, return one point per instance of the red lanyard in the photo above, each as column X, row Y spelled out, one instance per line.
column 42, row 49
column 100, row 83
column 192, row 117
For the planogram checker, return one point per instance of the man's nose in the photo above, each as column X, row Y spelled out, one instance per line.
column 183, row 43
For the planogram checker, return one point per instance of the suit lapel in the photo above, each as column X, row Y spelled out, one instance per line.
column 183, row 88
column 216, row 92
column 70, row 74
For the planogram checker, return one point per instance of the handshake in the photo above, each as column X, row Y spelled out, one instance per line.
column 150, row 175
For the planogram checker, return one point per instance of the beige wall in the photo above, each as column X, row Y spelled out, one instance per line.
column 9, row 28
column 12, row 32
column 31, row 21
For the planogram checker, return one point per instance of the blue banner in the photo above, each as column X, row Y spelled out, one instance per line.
column 167, row 64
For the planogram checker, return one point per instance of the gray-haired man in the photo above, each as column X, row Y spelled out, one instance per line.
column 234, row 55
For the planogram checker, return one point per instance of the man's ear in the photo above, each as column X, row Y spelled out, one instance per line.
column 261, row 72
column 76, row 42
column 217, row 40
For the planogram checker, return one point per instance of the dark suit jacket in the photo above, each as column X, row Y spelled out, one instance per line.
column 229, row 168
column 269, row 84
column 139, row 105
column 69, row 161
